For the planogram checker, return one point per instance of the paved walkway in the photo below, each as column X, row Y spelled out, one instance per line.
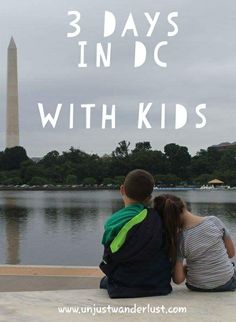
column 40, row 306
column 43, row 306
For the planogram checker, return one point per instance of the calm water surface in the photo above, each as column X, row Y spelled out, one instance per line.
column 65, row 228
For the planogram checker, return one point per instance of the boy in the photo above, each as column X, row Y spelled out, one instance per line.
column 135, row 258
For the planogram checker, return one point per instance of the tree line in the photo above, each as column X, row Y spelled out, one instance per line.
column 173, row 166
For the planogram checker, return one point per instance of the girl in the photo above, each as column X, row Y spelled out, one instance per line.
column 203, row 241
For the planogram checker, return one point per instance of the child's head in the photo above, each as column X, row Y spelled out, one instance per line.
column 138, row 186
column 170, row 208
column 173, row 204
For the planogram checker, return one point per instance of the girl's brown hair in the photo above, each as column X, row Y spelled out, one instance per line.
column 170, row 209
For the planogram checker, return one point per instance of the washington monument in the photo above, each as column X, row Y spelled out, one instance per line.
column 12, row 135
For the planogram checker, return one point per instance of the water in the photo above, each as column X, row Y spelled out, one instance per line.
column 65, row 228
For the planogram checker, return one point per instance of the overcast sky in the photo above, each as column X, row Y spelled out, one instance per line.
column 201, row 69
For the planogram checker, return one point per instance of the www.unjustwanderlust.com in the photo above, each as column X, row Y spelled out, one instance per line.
column 134, row 309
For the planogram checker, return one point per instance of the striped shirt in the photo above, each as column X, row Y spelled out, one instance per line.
column 208, row 264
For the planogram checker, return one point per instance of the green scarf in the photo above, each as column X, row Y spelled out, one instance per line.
column 114, row 224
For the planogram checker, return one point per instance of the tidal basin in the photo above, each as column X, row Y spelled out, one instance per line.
column 65, row 228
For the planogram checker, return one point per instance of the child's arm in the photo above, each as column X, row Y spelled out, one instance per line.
column 179, row 272
column 226, row 237
column 229, row 246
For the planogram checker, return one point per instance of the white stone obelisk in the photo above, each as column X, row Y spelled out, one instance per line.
column 12, row 137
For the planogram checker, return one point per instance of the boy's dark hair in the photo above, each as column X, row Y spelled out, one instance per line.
column 139, row 185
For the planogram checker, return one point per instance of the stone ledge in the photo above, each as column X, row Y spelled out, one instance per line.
column 49, row 270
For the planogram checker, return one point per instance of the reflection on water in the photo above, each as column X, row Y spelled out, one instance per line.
column 15, row 223
column 65, row 228
column 15, row 219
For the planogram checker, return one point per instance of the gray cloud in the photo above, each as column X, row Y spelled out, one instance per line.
column 201, row 68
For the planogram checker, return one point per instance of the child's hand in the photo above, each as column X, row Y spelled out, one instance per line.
column 180, row 272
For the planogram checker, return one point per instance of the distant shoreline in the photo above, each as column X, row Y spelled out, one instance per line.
column 115, row 188
column 57, row 189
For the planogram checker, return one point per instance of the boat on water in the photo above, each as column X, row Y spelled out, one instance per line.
column 216, row 184
column 202, row 188
column 174, row 188
column 212, row 187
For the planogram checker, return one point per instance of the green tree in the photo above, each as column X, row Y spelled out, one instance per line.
column 142, row 147
column 13, row 181
column 50, row 159
column 152, row 161
column 172, row 167
column 203, row 179
column 169, row 179
column 179, row 159
column 38, row 181
column 228, row 160
column 205, row 161
column 71, row 179
column 3, row 177
column 120, row 162
column 119, row 180
column 107, row 181
column 12, row 158
column 122, row 151
column 31, row 171
column 90, row 181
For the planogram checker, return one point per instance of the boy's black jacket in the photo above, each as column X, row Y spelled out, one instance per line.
column 141, row 267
